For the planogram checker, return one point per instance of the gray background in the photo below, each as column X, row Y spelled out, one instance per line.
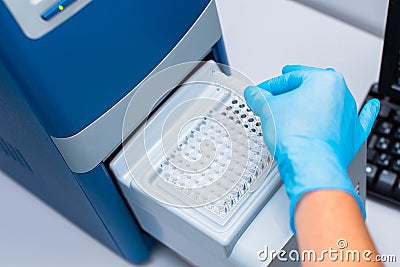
column 261, row 36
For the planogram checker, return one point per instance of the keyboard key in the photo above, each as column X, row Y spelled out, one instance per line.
column 396, row 116
column 396, row 165
column 386, row 181
column 372, row 141
column 371, row 155
column 385, row 110
column 375, row 125
column 385, row 128
column 396, row 148
column 383, row 143
column 397, row 133
column 384, row 160
column 370, row 170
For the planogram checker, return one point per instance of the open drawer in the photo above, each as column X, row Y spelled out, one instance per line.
column 198, row 176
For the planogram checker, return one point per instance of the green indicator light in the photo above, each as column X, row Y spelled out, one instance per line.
column 60, row 7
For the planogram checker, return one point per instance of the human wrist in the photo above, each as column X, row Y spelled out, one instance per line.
column 323, row 218
column 296, row 193
column 305, row 170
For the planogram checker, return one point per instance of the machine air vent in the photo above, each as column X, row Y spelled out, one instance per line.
column 14, row 153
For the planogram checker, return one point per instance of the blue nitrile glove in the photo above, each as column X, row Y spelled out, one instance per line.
column 318, row 130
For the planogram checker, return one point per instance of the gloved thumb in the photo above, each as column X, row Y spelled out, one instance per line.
column 256, row 99
column 368, row 115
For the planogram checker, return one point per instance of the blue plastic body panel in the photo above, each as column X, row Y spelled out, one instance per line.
column 60, row 83
column 113, row 213
column 83, row 67
column 28, row 155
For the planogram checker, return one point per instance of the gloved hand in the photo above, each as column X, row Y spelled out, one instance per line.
column 318, row 131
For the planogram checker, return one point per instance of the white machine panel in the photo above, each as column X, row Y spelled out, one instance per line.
column 38, row 17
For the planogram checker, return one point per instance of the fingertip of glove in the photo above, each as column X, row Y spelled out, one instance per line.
column 376, row 102
column 375, row 105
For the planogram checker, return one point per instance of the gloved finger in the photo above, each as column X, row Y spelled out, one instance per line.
column 368, row 115
column 332, row 69
column 256, row 99
column 291, row 68
column 284, row 83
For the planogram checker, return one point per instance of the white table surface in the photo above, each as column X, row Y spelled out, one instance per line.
column 261, row 36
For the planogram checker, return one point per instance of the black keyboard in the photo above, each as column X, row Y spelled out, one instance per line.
column 383, row 157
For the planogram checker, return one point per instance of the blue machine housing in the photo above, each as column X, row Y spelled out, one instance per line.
column 57, row 85
column 87, row 64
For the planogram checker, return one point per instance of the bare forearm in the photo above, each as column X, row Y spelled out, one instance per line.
column 331, row 219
